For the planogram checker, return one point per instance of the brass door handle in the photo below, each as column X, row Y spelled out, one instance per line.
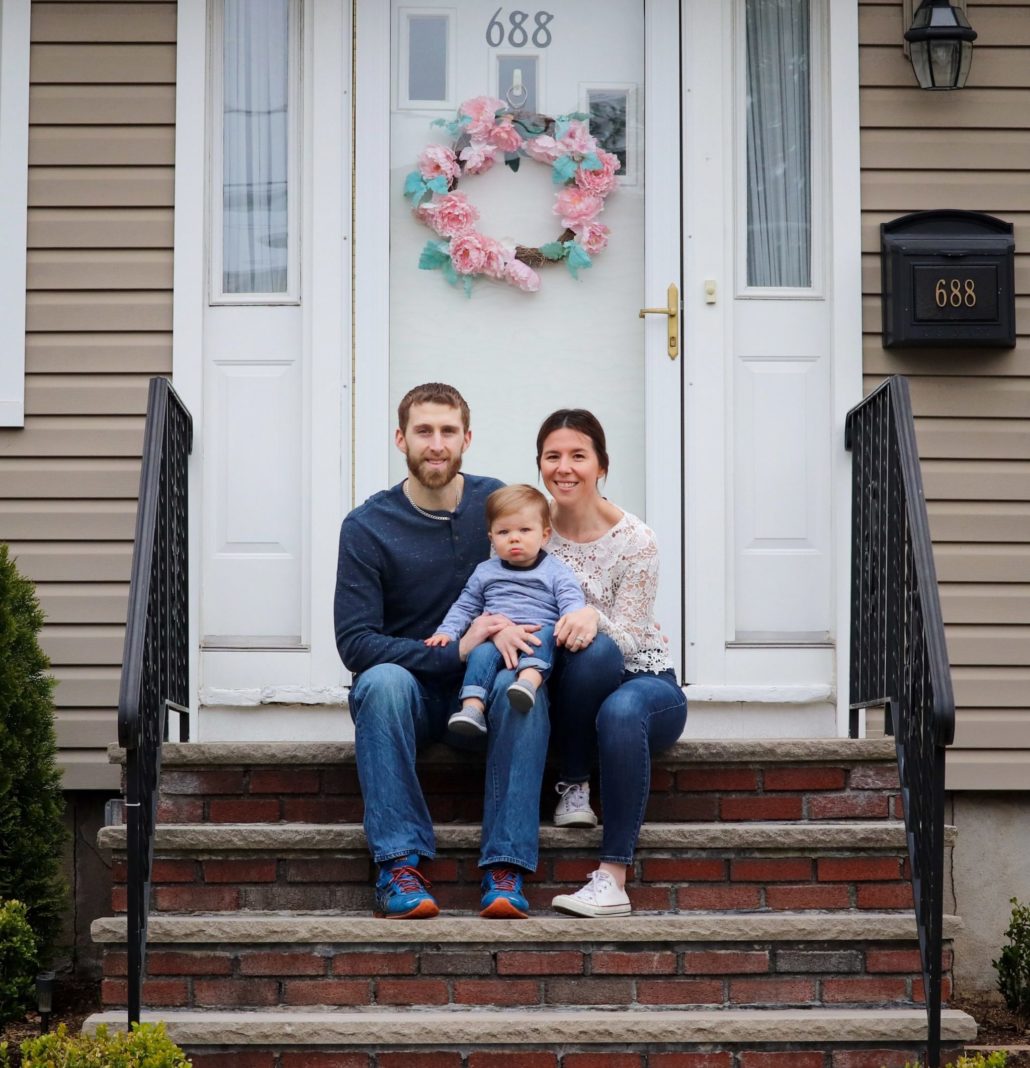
column 673, row 322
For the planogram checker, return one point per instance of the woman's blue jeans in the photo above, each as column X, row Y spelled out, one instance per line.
column 620, row 723
column 395, row 715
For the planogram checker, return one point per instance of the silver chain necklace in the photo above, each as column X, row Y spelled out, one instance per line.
column 429, row 515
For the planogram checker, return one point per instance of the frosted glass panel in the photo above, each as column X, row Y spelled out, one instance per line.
column 255, row 146
column 427, row 57
column 779, row 135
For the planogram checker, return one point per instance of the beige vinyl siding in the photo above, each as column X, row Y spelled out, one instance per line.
column 99, row 316
column 970, row 150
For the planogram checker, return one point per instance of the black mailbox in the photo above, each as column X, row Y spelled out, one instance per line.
column 948, row 280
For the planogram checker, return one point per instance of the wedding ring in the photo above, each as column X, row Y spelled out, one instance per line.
column 577, row 639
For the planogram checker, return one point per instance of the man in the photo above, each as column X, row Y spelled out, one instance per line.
column 405, row 555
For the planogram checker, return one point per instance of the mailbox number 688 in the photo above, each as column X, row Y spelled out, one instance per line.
column 955, row 293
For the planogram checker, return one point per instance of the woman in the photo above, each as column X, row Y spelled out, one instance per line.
column 615, row 558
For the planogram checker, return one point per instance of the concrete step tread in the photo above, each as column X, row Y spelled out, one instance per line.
column 728, row 751
column 351, row 928
column 546, row 1027
column 291, row 837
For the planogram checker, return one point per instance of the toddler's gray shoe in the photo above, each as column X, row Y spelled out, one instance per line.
column 521, row 695
column 469, row 721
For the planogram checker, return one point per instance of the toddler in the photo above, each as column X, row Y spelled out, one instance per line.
column 522, row 582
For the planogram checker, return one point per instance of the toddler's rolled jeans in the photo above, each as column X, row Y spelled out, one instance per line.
column 485, row 661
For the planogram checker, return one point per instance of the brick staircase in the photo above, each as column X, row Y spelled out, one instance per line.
column 772, row 923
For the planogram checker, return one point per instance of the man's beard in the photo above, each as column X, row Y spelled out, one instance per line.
column 433, row 478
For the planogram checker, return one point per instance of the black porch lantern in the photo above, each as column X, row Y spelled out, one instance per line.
column 940, row 45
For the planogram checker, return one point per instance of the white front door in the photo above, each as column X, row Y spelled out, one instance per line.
column 574, row 342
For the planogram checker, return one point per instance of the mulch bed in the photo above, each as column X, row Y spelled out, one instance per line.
column 998, row 1028
column 73, row 1002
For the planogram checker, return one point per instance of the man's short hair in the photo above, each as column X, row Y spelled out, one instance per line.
column 432, row 393
column 510, row 499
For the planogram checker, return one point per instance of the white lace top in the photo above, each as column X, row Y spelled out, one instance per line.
column 619, row 576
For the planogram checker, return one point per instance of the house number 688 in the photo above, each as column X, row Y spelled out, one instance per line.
column 518, row 35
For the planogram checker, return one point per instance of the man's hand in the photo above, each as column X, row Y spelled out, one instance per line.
column 481, row 629
column 516, row 638
column 438, row 639
column 576, row 630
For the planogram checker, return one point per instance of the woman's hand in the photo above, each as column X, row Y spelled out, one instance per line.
column 437, row 640
column 576, row 630
column 481, row 629
column 516, row 638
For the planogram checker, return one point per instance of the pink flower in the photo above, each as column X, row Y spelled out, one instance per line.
column 593, row 236
column 505, row 137
column 576, row 206
column 601, row 182
column 478, row 157
column 482, row 107
column 437, row 161
column 544, row 149
column 521, row 275
column 577, row 138
column 496, row 258
column 481, row 110
column 452, row 214
column 610, row 162
column 468, row 252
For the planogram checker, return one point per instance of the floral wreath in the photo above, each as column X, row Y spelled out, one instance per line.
column 485, row 129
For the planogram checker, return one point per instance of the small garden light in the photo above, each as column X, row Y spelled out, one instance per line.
column 940, row 45
column 45, row 999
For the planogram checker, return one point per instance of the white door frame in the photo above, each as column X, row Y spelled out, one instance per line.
column 337, row 420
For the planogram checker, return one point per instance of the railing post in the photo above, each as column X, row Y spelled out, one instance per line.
column 898, row 652
column 155, row 658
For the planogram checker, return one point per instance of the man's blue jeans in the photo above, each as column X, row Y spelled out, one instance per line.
column 485, row 661
column 395, row 715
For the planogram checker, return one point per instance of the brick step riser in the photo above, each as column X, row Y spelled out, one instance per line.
column 743, row 1056
column 646, row 975
column 684, row 794
column 683, row 883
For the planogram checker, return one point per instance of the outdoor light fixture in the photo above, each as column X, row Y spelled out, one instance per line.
column 45, row 999
column 941, row 45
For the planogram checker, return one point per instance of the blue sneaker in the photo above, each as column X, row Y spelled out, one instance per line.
column 502, row 895
column 402, row 891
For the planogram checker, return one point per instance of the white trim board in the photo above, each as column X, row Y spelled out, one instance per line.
column 15, row 36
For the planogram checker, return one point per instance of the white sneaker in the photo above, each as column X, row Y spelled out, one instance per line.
column 600, row 897
column 573, row 809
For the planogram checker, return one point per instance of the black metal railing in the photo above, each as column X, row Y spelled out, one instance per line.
column 898, row 655
column 155, row 661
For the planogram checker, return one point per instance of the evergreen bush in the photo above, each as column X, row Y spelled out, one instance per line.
column 147, row 1046
column 1013, row 966
column 31, row 806
column 18, row 961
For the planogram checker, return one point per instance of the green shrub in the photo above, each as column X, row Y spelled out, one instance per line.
column 18, row 961
column 146, row 1046
column 31, row 806
column 996, row 1059
column 1013, row 966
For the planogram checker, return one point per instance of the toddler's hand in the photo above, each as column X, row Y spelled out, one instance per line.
column 438, row 639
